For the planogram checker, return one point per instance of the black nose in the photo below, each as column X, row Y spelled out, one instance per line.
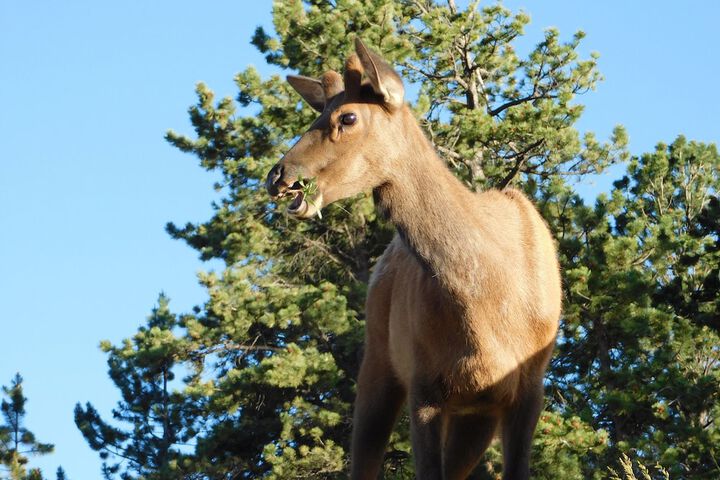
column 273, row 178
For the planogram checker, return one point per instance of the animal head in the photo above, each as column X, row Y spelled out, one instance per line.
column 351, row 146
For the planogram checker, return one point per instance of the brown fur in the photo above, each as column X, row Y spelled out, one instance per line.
column 463, row 306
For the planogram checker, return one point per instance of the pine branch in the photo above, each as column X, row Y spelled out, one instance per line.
column 521, row 157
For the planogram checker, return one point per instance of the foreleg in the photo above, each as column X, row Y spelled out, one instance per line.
column 379, row 399
column 468, row 436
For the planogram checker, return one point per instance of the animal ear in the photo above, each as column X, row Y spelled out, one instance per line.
column 310, row 89
column 332, row 84
column 353, row 76
column 385, row 81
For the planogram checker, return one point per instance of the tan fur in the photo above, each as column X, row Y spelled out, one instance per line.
column 463, row 306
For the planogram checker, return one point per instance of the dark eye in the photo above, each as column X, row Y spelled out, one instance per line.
column 348, row 119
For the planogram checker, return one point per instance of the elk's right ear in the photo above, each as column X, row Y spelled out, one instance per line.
column 310, row 89
column 385, row 81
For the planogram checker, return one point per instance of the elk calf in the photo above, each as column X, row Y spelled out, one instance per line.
column 463, row 306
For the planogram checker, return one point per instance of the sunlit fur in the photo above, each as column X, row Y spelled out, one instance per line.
column 463, row 306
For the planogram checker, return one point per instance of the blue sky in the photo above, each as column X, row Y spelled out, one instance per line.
column 87, row 183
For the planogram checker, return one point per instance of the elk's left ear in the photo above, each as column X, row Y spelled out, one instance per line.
column 385, row 81
column 311, row 89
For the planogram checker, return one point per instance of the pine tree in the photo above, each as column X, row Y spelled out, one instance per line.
column 283, row 324
column 16, row 441
column 160, row 420
column 641, row 358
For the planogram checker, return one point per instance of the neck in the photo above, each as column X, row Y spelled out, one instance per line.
column 434, row 214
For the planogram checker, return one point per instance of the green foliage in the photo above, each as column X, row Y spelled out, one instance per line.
column 271, row 356
column 160, row 419
column 640, row 350
column 16, row 441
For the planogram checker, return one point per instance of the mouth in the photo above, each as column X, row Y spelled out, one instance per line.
column 297, row 203
column 304, row 204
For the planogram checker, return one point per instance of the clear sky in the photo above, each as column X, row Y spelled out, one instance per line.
column 87, row 183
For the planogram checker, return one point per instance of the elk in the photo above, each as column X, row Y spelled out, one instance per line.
column 463, row 306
